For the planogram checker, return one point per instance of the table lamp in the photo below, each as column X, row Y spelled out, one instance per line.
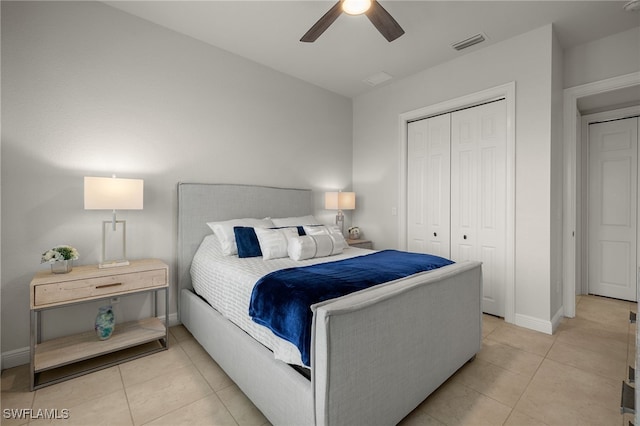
column 103, row 193
column 340, row 201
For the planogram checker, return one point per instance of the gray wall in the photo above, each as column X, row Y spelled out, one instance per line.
column 612, row 56
column 88, row 90
column 525, row 59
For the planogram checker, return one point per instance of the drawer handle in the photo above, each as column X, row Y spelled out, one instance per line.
column 107, row 285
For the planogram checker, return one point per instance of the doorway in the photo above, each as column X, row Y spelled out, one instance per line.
column 572, row 209
column 612, row 206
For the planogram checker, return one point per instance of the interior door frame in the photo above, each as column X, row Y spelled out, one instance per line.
column 508, row 93
column 586, row 120
column 572, row 215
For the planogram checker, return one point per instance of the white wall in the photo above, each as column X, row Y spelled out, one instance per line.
column 557, row 187
column 612, row 56
column 527, row 60
column 90, row 90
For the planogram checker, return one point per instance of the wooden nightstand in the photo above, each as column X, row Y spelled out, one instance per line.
column 365, row 244
column 63, row 358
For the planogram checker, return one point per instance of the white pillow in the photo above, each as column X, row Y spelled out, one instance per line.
column 309, row 246
column 295, row 221
column 226, row 236
column 274, row 243
column 332, row 230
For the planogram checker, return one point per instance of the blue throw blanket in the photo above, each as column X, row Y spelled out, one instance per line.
column 282, row 299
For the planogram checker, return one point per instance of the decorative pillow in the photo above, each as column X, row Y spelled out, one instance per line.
column 274, row 242
column 226, row 236
column 332, row 230
column 309, row 246
column 296, row 221
column 247, row 242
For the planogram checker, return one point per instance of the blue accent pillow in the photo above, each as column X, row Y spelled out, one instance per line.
column 247, row 242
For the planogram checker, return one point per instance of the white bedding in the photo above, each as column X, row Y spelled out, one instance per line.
column 226, row 283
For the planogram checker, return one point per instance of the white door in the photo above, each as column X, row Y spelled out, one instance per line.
column 428, row 185
column 478, row 195
column 613, row 208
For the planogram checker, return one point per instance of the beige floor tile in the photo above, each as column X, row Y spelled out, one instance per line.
column 420, row 418
column 620, row 329
column 16, row 401
column 15, row 395
column 212, row 372
column 612, row 366
column 456, row 404
column 495, row 382
column 588, row 335
column 208, row 411
column 193, row 349
column 604, row 310
column 490, row 323
column 79, row 390
column 107, row 410
column 563, row 395
column 241, row 408
column 14, row 379
column 146, row 368
column 509, row 358
column 520, row 419
column 169, row 391
column 522, row 338
column 180, row 333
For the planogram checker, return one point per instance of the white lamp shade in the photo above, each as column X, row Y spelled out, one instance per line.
column 102, row 193
column 340, row 200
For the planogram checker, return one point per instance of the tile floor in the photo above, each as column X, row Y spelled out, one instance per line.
column 520, row 377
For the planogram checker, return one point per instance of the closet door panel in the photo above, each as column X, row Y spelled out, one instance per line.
column 478, row 187
column 429, row 186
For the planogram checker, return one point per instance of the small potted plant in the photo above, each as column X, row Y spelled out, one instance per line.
column 61, row 258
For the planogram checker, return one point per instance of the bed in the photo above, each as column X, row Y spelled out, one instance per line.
column 375, row 354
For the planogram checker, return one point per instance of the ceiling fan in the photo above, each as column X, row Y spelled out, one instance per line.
column 377, row 14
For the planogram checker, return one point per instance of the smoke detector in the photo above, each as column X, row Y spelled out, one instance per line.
column 632, row 6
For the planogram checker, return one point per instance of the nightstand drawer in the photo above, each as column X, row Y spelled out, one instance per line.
column 89, row 288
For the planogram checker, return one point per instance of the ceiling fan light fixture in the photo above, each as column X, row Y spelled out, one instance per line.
column 355, row 7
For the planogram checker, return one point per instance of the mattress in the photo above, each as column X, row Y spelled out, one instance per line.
column 226, row 283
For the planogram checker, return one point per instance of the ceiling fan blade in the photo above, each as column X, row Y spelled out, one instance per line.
column 323, row 23
column 383, row 21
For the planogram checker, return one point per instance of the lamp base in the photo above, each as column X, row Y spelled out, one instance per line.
column 340, row 221
column 113, row 264
column 114, row 244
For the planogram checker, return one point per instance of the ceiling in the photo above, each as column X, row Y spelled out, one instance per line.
column 352, row 50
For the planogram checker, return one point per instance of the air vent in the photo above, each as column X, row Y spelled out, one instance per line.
column 378, row 78
column 478, row 38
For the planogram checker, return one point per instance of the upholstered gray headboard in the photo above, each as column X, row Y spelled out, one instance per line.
column 199, row 203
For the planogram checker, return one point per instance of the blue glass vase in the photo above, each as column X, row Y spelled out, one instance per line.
column 105, row 322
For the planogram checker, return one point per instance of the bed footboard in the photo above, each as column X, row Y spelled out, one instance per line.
column 282, row 394
column 379, row 353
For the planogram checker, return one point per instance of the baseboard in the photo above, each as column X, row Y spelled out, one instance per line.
column 557, row 318
column 534, row 324
column 15, row 358
column 22, row 356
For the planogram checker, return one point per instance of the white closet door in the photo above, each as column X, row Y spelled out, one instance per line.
column 478, row 196
column 613, row 208
column 428, row 186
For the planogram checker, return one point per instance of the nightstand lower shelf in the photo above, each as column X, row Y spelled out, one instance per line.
column 72, row 356
column 65, row 350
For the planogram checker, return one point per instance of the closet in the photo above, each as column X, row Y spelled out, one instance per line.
column 456, row 191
